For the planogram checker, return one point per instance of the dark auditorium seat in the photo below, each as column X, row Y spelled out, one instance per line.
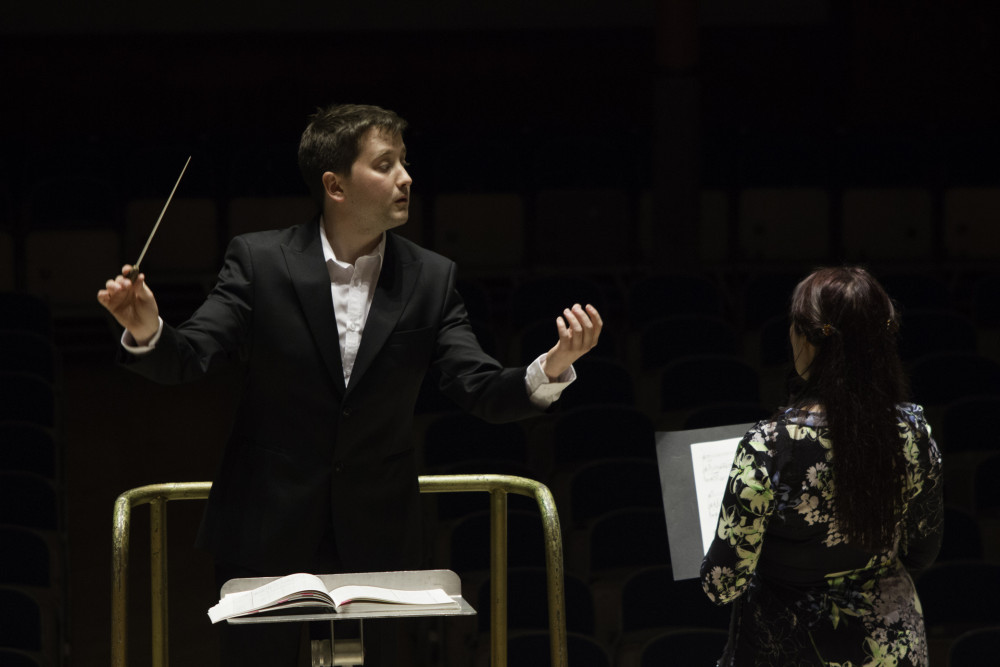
column 974, row 648
column 963, row 538
column 21, row 624
column 469, row 542
column 666, row 339
column 545, row 297
column 527, row 602
column 926, row 331
column 29, row 501
column 25, row 558
column 725, row 414
column 20, row 311
column 600, row 381
column 652, row 599
column 590, row 433
column 28, row 447
column 689, row 646
column 453, row 438
column 673, row 295
column 10, row 657
column 605, row 485
column 27, row 397
column 961, row 428
column 533, row 649
column 959, row 595
column 701, row 380
column 629, row 538
column 27, row 352
column 941, row 378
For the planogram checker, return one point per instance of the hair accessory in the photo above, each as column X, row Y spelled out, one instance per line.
column 827, row 330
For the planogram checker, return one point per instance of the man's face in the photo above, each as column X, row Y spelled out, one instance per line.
column 377, row 189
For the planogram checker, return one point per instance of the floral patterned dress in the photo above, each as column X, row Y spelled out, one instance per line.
column 802, row 594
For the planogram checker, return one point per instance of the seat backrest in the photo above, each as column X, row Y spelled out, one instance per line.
column 769, row 219
column 480, row 230
column 887, row 224
column 652, row 599
column 693, row 646
column 971, row 218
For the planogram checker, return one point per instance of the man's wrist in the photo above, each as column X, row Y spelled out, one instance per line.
column 137, row 346
column 143, row 337
column 552, row 371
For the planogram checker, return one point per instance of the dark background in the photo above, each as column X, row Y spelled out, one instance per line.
column 671, row 106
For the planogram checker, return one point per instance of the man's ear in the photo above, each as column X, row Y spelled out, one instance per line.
column 332, row 186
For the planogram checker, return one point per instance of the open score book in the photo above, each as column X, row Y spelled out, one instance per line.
column 307, row 590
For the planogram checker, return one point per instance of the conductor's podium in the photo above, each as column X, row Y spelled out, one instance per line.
column 498, row 486
column 351, row 651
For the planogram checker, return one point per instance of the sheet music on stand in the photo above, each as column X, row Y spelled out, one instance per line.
column 351, row 651
column 694, row 468
column 414, row 580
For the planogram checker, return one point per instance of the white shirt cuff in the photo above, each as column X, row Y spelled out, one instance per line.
column 128, row 342
column 542, row 391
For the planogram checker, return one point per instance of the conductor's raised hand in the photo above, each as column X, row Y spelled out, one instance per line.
column 132, row 304
column 579, row 329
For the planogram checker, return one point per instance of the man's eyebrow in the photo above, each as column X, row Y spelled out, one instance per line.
column 388, row 151
column 385, row 152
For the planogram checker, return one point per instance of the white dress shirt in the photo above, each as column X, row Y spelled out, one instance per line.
column 352, row 287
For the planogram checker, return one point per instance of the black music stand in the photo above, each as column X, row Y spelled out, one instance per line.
column 685, row 517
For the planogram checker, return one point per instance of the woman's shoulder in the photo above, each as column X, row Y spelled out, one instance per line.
column 789, row 422
column 792, row 428
column 912, row 415
column 911, row 411
column 810, row 416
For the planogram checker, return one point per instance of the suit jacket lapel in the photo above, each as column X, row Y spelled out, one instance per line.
column 394, row 288
column 304, row 258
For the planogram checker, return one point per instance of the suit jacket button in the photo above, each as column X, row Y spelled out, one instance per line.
column 346, row 411
column 338, row 467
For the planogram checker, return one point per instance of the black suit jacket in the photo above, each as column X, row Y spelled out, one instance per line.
column 307, row 453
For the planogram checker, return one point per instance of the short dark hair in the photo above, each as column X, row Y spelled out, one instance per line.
column 332, row 140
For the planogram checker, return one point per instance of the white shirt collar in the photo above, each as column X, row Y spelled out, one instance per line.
column 329, row 255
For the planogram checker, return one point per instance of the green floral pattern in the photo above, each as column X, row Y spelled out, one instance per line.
column 802, row 594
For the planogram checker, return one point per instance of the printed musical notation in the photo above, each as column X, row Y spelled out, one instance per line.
column 712, row 462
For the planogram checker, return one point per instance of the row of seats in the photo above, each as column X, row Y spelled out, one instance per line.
column 187, row 249
column 491, row 232
column 699, row 390
column 34, row 616
column 649, row 319
column 656, row 620
column 626, row 527
column 695, row 646
column 606, row 500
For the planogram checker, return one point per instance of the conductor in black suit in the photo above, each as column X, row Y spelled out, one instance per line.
column 336, row 321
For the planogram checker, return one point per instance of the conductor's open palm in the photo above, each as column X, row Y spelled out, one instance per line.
column 579, row 329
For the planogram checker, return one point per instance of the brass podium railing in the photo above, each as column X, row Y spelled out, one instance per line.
column 498, row 486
